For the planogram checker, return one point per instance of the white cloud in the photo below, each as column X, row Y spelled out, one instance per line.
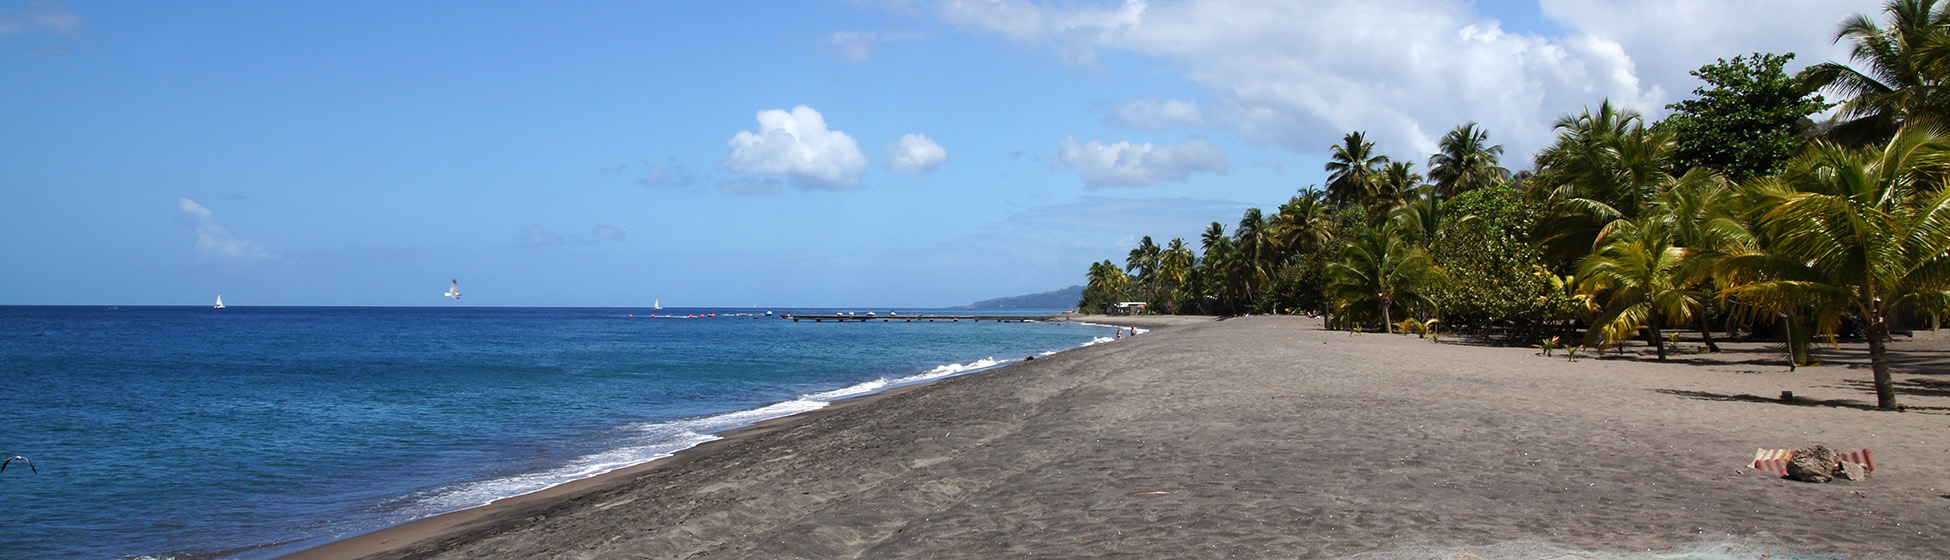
column 1670, row 38
column 46, row 14
column 1134, row 165
column 214, row 243
column 1155, row 114
column 798, row 144
column 914, row 154
column 1303, row 73
column 859, row 46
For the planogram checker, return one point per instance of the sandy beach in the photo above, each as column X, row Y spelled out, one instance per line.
column 1267, row 437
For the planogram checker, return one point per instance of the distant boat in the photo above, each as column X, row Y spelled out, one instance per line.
column 454, row 291
column 219, row 301
column 656, row 304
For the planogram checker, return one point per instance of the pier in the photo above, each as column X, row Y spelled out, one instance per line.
column 916, row 318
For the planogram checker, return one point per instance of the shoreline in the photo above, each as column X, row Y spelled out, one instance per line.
column 504, row 510
column 1266, row 436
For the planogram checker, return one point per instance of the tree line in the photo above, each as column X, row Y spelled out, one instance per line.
column 1735, row 211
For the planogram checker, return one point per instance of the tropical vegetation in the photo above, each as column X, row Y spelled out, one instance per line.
column 1735, row 213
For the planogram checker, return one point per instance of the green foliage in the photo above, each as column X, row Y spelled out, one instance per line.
column 1353, row 170
column 1747, row 122
column 1546, row 346
column 1852, row 233
column 1903, row 83
column 1490, row 261
column 1106, row 287
column 1381, row 273
column 1467, row 162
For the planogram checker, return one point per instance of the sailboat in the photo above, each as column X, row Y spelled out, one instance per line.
column 219, row 301
column 453, row 292
column 656, row 304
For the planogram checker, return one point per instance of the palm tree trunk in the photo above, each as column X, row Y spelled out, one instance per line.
column 1879, row 361
column 1706, row 331
column 1652, row 335
column 1386, row 326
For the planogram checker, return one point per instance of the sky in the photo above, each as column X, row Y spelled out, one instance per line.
column 897, row 153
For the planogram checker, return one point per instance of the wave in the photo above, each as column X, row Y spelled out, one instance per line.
column 649, row 441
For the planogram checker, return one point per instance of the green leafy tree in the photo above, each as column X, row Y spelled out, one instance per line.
column 1904, row 76
column 1353, row 168
column 1491, row 264
column 1382, row 272
column 1106, row 286
column 1605, row 166
column 1467, row 162
column 1746, row 122
column 1637, row 274
column 1304, row 224
column 1854, row 233
column 1219, row 271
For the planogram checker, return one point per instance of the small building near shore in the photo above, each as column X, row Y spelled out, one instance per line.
column 1128, row 308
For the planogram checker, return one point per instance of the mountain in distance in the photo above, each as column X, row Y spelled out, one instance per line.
column 1065, row 298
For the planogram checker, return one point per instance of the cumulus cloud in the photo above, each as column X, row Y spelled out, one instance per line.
column 914, row 154
column 214, row 243
column 1155, row 114
column 1670, row 38
column 1134, row 165
column 1301, row 73
column 859, row 46
column 751, row 186
column 798, row 144
column 45, row 15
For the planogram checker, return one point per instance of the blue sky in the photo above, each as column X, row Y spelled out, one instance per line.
column 899, row 153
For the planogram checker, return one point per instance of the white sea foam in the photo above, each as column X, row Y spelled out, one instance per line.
column 649, row 441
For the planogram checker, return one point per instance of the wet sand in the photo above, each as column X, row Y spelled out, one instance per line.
column 1268, row 437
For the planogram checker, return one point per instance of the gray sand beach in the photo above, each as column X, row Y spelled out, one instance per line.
column 1267, row 437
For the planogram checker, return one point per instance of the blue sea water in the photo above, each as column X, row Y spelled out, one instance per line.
column 187, row 432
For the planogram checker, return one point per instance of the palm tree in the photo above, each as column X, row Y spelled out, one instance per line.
column 1605, row 166
column 1174, row 272
column 1381, row 270
column 1258, row 254
column 1143, row 259
column 1218, row 269
column 1855, row 233
column 1397, row 184
column 1467, row 162
column 1907, row 66
column 1107, row 284
column 1352, row 169
column 1303, row 224
column 1638, row 275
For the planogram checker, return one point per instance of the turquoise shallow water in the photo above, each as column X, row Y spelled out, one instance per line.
column 175, row 431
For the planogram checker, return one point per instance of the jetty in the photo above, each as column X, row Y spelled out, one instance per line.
column 918, row 318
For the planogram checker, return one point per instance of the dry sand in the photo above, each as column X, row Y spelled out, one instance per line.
column 1268, row 437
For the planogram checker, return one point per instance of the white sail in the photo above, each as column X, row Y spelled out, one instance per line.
column 454, row 291
column 219, row 301
column 656, row 304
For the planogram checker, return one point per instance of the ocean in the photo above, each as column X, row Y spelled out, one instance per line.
column 249, row 432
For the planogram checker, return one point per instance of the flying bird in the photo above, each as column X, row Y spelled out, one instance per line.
column 30, row 464
column 453, row 292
